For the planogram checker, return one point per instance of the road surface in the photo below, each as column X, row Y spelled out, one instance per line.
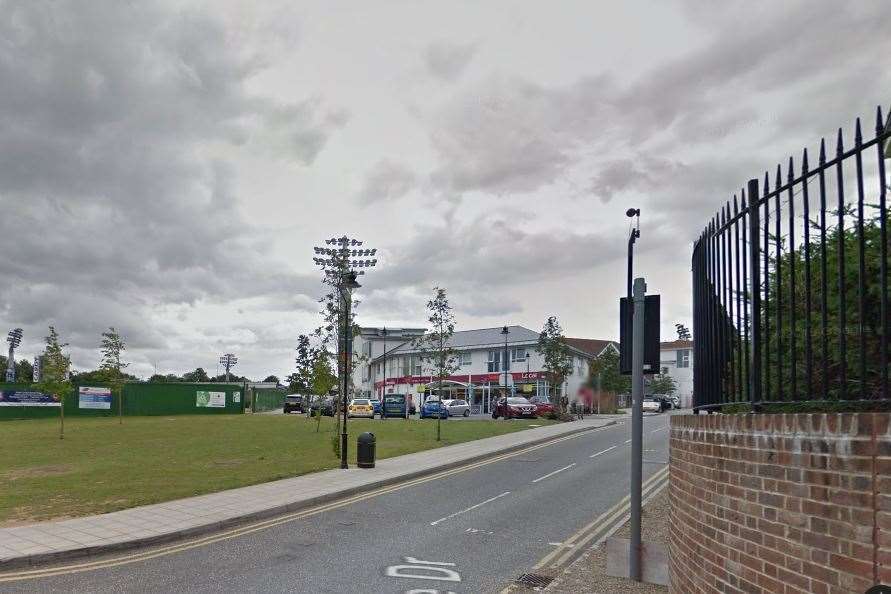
column 483, row 526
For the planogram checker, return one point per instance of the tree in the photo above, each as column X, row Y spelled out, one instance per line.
column 557, row 360
column 301, row 380
column 112, row 365
column 54, row 378
column 323, row 379
column 271, row 379
column 199, row 375
column 24, row 371
column 663, row 384
column 434, row 345
column 605, row 370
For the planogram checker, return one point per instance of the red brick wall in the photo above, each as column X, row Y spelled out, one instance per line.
column 780, row 503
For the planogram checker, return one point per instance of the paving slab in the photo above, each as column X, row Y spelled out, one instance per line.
column 160, row 523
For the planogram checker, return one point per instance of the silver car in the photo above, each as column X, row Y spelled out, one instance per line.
column 457, row 408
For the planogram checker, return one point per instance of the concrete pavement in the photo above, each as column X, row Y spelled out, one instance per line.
column 175, row 520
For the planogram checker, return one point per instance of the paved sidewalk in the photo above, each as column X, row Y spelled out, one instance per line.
column 148, row 525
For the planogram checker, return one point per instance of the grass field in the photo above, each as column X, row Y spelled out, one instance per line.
column 102, row 466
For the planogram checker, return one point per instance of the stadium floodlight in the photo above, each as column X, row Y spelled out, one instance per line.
column 14, row 338
column 228, row 361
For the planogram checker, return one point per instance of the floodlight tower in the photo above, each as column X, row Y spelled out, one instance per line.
column 14, row 338
column 228, row 361
column 342, row 261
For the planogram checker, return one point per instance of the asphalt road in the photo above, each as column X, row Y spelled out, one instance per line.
column 484, row 526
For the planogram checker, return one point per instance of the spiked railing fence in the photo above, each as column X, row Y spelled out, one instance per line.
column 790, row 283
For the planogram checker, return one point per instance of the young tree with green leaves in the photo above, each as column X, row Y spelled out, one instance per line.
column 434, row 345
column 605, row 373
column 663, row 384
column 323, row 379
column 112, row 366
column 557, row 359
column 54, row 378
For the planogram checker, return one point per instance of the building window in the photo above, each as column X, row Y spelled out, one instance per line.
column 462, row 358
column 494, row 359
column 498, row 361
column 683, row 358
column 411, row 365
column 518, row 354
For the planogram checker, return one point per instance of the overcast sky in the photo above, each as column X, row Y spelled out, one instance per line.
column 167, row 167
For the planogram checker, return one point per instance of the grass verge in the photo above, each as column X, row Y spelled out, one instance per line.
column 102, row 466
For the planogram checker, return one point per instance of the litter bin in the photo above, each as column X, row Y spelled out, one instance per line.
column 365, row 450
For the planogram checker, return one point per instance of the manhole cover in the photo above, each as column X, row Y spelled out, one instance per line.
column 534, row 580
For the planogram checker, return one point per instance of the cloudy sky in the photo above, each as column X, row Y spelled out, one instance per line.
column 167, row 167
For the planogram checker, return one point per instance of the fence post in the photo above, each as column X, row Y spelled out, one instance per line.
column 755, row 271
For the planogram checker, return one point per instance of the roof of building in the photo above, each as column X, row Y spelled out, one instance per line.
column 375, row 332
column 591, row 346
column 675, row 344
column 483, row 337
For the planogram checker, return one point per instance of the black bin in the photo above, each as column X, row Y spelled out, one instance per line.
column 365, row 450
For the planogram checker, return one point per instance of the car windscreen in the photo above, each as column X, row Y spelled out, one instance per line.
column 293, row 398
column 361, row 402
column 517, row 401
column 394, row 400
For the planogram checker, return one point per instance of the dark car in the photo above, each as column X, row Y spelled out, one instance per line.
column 394, row 406
column 293, row 403
column 663, row 400
column 326, row 405
column 516, row 407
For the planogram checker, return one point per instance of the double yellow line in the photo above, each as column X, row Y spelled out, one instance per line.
column 263, row 525
column 605, row 524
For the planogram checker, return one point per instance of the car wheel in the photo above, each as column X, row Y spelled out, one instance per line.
column 466, row 413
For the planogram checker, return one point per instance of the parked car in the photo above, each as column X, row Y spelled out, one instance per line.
column 325, row 404
column 515, row 407
column 542, row 406
column 376, row 405
column 293, row 403
column 394, row 405
column 457, row 408
column 651, row 404
column 675, row 401
column 663, row 400
column 433, row 409
column 360, row 407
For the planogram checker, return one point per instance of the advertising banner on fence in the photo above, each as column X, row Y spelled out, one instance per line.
column 27, row 398
column 94, row 398
column 210, row 399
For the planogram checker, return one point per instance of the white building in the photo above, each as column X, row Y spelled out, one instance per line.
column 676, row 360
column 483, row 370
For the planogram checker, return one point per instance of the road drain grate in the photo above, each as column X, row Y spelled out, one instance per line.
column 534, row 580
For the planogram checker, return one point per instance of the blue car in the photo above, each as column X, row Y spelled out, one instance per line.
column 376, row 404
column 433, row 409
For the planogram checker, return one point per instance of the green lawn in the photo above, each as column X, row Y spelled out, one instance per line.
column 102, row 466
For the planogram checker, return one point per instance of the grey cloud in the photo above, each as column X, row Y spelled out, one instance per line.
column 111, row 205
column 510, row 135
column 387, row 180
column 448, row 61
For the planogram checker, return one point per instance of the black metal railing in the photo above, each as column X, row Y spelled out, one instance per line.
column 790, row 283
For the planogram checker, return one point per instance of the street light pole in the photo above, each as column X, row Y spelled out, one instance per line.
column 505, row 364
column 635, row 233
column 384, row 386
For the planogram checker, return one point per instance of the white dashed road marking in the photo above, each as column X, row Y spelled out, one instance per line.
column 472, row 507
column 603, row 451
column 550, row 474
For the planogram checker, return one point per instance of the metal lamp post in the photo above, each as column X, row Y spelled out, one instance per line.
column 506, row 362
column 346, row 294
column 635, row 233
column 14, row 338
column 384, row 386
column 527, row 362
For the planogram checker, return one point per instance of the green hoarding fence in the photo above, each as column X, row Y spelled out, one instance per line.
column 139, row 399
column 268, row 399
